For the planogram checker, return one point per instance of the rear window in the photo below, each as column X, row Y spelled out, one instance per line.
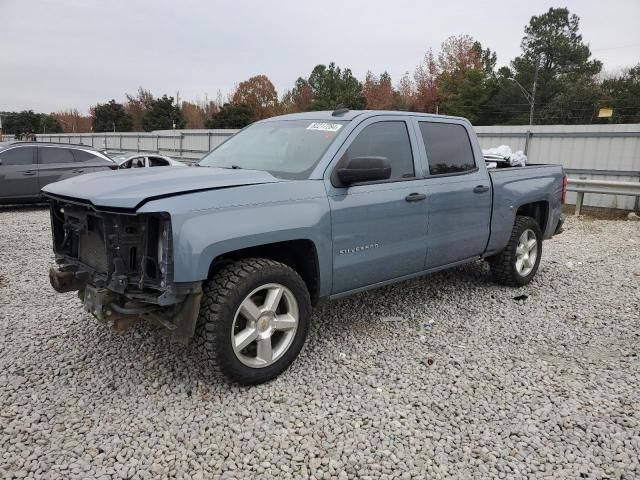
column 18, row 156
column 448, row 148
column 158, row 162
column 82, row 155
column 55, row 155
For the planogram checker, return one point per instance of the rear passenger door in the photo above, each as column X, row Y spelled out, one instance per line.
column 55, row 163
column 459, row 194
column 19, row 172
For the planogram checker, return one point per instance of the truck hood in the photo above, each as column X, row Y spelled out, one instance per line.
column 130, row 189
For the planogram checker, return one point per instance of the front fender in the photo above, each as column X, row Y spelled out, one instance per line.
column 242, row 219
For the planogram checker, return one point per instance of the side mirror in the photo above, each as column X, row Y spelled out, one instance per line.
column 364, row 169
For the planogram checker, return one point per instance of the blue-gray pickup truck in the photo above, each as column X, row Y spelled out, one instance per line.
column 289, row 211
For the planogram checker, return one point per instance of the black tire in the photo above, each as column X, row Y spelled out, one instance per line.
column 222, row 296
column 503, row 265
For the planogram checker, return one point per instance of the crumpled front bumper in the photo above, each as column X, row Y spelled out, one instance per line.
column 121, row 312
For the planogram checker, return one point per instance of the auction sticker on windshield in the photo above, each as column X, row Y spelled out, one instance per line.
column 325, row 127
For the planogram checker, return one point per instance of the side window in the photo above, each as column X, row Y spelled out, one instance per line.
column 18, row 156
column 389, row 140
column 158, row 162
column 55, row 155
column 448, row 148
column 126, row 164
column 82, row 155
column 137, row 162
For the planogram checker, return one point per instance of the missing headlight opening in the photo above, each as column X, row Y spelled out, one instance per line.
column 119, row 251
column 119, row 262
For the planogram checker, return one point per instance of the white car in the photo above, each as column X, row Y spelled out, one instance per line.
column 144, row 160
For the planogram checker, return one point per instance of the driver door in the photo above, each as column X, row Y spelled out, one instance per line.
column 379, row 229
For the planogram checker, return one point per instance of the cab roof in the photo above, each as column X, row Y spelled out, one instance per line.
column 349, row 115
column 46, row 144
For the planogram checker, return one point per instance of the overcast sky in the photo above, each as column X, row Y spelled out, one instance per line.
column 60, row 54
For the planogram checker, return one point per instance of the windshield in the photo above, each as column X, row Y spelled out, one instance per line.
column 285, row 149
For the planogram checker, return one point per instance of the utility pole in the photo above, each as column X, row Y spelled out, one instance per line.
column 533, row 92
column 531, row 97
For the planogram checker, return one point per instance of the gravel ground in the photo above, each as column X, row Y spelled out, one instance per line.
column 443, row 377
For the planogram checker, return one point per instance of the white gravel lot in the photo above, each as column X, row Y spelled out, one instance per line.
column 442, row 377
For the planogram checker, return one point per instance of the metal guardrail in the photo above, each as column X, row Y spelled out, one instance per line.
column 604, row 187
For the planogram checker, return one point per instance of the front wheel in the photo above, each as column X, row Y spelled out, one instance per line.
column 256, row 316
column 518, row 263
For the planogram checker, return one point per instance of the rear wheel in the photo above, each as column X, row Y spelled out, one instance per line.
column 256, row 316
column 518, row 263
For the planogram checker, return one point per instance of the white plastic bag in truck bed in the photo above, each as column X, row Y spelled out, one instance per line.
column 503, row 153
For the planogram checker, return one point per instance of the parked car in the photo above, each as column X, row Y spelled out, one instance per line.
column 26, row 167
column 289, row 211
column 138, row 160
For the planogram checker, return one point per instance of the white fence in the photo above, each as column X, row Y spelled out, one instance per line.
column 597, row 152
column 189, row 145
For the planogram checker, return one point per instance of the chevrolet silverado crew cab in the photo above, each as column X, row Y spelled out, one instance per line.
column 288, row 211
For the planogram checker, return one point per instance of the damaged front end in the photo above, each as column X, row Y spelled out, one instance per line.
column 121, row 264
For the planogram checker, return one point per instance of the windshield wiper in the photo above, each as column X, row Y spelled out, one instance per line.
column 232, row 167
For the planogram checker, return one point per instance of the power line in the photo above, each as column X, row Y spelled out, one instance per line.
column 615, row 48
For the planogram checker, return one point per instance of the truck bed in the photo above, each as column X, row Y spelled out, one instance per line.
column 516, row 186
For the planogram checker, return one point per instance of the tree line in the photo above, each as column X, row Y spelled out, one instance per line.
column 555, row 72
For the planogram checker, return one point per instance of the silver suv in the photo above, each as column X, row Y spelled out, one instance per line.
column 26, row 167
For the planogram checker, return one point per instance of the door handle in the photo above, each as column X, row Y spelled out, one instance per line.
column 415, row 197
column 480, row 189
column 78, row 170
column 29, row 173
